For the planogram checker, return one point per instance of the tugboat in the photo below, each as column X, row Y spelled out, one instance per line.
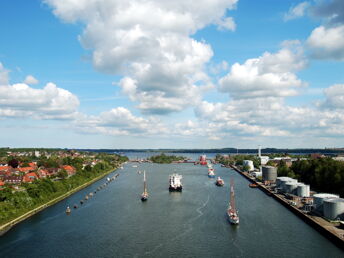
column 232, row 213
column 144, row 195
column 175, row 183
column 68, row 211
column 211, row 173
column 253, row 185
column 219, row 181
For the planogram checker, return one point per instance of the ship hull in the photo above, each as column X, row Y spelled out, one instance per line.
column 211, row 176
column 219, row 184
column 233, row 218
column 175, row 189
column 143, row 199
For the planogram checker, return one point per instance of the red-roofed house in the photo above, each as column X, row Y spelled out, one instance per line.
column 4, row 168
column 43, row 173
column 1, row 185
column 33, row 164
column 13, row 179
column 29, row 177
column 69, row 169
column 26, row 169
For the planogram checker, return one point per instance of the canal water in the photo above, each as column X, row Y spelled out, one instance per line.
column 115, row 223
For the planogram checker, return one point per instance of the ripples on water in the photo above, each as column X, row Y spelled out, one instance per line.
column 115, row 223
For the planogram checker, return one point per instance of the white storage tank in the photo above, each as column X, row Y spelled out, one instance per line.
column 269, row 173
column 256, row 174
column 285, row 181
column 290, row 187
column 249, row 164
column 281, row 179
column 334, row 208
column 318, row 200
column 303, row 190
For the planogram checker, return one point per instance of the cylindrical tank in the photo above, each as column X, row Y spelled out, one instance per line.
column 334, row 208
column 303, row 190
column 290, row 187
column 281, row 179
column 257, row 174
column 319, row 198
column 286, row 180
column 269, row 173
column 249, row 164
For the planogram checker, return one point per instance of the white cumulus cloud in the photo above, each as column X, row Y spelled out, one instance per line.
column 3, row 75
column 268, row 75
column 30, row 80
column 327, row 42
column 150, row 44
column 334, row 97
column 20, row 100
column 297, row 11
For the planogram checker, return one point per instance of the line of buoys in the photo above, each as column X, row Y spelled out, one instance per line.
column 91, row 194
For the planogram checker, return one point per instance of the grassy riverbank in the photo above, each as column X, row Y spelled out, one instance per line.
column 75, row 183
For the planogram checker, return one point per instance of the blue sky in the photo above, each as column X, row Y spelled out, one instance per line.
column 154, row 74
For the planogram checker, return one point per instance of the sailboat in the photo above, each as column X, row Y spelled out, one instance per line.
column 144, row 195
column 231, row 211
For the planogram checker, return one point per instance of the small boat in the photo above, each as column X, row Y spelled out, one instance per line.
column 134, row 166
column 108, row 179
column 139, row 172
column 81, row 202
column 144, row 195
column 211, row 173
column 253, row 185
column 91, row 194
column 232, row 213
column 219, row 181
column 86, row 197
column 75, row 206
column 68, row 211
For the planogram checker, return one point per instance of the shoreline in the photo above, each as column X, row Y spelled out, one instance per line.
column 318, row 223
column 4, row 228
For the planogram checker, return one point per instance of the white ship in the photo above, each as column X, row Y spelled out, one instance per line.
column 175, row 183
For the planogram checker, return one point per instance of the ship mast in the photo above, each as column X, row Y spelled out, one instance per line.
column 232, row 200
column 144, row 183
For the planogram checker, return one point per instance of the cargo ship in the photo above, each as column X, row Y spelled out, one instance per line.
column 203, row 160
column 232, row 213
column 144, row 195
column 219, row 181
column 175, row 183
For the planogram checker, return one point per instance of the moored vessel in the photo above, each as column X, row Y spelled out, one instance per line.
column 175, row 183
column 219, row 181
column 144, row 195
column 253, row 185
column 232, row 212
column 68, row 211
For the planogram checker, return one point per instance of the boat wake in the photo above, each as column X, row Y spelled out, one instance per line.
column 188, row 224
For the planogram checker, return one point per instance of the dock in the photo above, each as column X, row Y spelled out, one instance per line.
column 323, row 226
